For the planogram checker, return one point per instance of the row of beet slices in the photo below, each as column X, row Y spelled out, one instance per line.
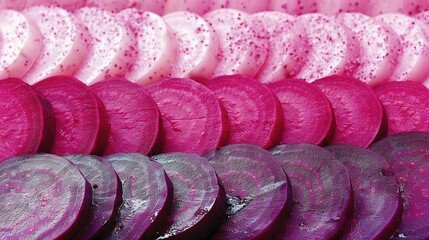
column 235, row 192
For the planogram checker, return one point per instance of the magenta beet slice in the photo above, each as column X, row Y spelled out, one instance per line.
column 308, row 114
column 42, row 197
column 190, row 112
column 147, row 196
column 358, row 111
column 106, row 194
column 258, row 192
column 253, row 111
column 133, row 115
column 81, row 123
column 377, row 200
column 199, row 202
column 408, row 156
column 322, row 195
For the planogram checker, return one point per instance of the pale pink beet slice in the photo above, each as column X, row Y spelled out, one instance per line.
column 321, row 190
column 132, row 113
column 190, row 113
column 112, row 46
column 108, row 5
column 65, row 43
column 248, row 6
column 334, row 49
column 199, row 7
column 22, row 43
column 358, row 111
column 253, row 111
column 198, row 46
column 42, row 197
column 155, row 6
column 242, row 51
column 155, row 52
column 407, row 7
column 70, row 5
column 12, row 4
column 424, row 18
column 307, row 113
column 81, row 122
column 288, row 46
column 331, row 7
column 380, row 47
column 294, row 7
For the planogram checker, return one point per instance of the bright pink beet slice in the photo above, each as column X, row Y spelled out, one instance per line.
column 253, row 111
column 147, row 196
column 199, row 7
column 69, row 5
column 377, row 199
column 322, row 194
column 42, row 197
column 407, row 7
column 307, row 113
column 248, row 6
column 331, row 7
column 155, row 6
column 358, row 111
column 294, row 7
column 106, row 194
column 108, row 5
column 133, row 116
column 258, row 192
column 199, row 202
column 12, row 4
column 190, row 113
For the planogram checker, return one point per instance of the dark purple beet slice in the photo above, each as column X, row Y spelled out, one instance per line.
column 106, row 194
column 147, row 196
column 322, row 194
column 42, row 197
column 199, row 202
column 258, row 192
column 377, row 200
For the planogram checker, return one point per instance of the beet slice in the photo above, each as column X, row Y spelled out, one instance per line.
column 106, row 194
column 199, row 202
column 358, row 112
column 81, row 124
column 147, row 196
column 308, row 114
column 377, row 200
column 258, row 192
column 254, row 113
column 133, row 115
column 42, row 197
column 294, row 7
column 322, row 194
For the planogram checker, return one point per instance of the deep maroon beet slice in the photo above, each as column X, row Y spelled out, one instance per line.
column 199, row 202
column 42, row 197
column 106, row 194
column 258, row 192
column 133, row 115
column 81, row 123
column 308, row 114
column 147, row 196
column 322, row 195
column 190, row 113
column 377, row 200
column 358, row 111
column 253, row 111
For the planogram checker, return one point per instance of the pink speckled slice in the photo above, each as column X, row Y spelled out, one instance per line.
column 155, row 6
column 414, row 37
column 12, row 4
column 288, row 46
column 241, row 50
column 22, row 43
column 156, row 48
column 198, row 45
column 294, row 7
column 70, row 5
column 380, row 47
column 199, row 7
column 424, row 17
column 331, row 7
column 334, row 49
column 249, row 6
column 113, row 46
column 109, row 5
column 410, row 7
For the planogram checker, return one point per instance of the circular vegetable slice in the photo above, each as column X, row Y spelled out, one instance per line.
column 258, row 192
column 42, row 197
column 294, row 7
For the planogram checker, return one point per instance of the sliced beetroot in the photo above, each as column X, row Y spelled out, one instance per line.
column 322, row 195
column 358, row 112
column 199, row 202
column 308, row 114
column 294, row 7
column 377, row 200
column 106, row 194
column 190, row 113
column 147, row 196
column 81, row 124
column 253, row 111
column 42, row 197
column 258, row 192
column 196, row 6
column 133, row 116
